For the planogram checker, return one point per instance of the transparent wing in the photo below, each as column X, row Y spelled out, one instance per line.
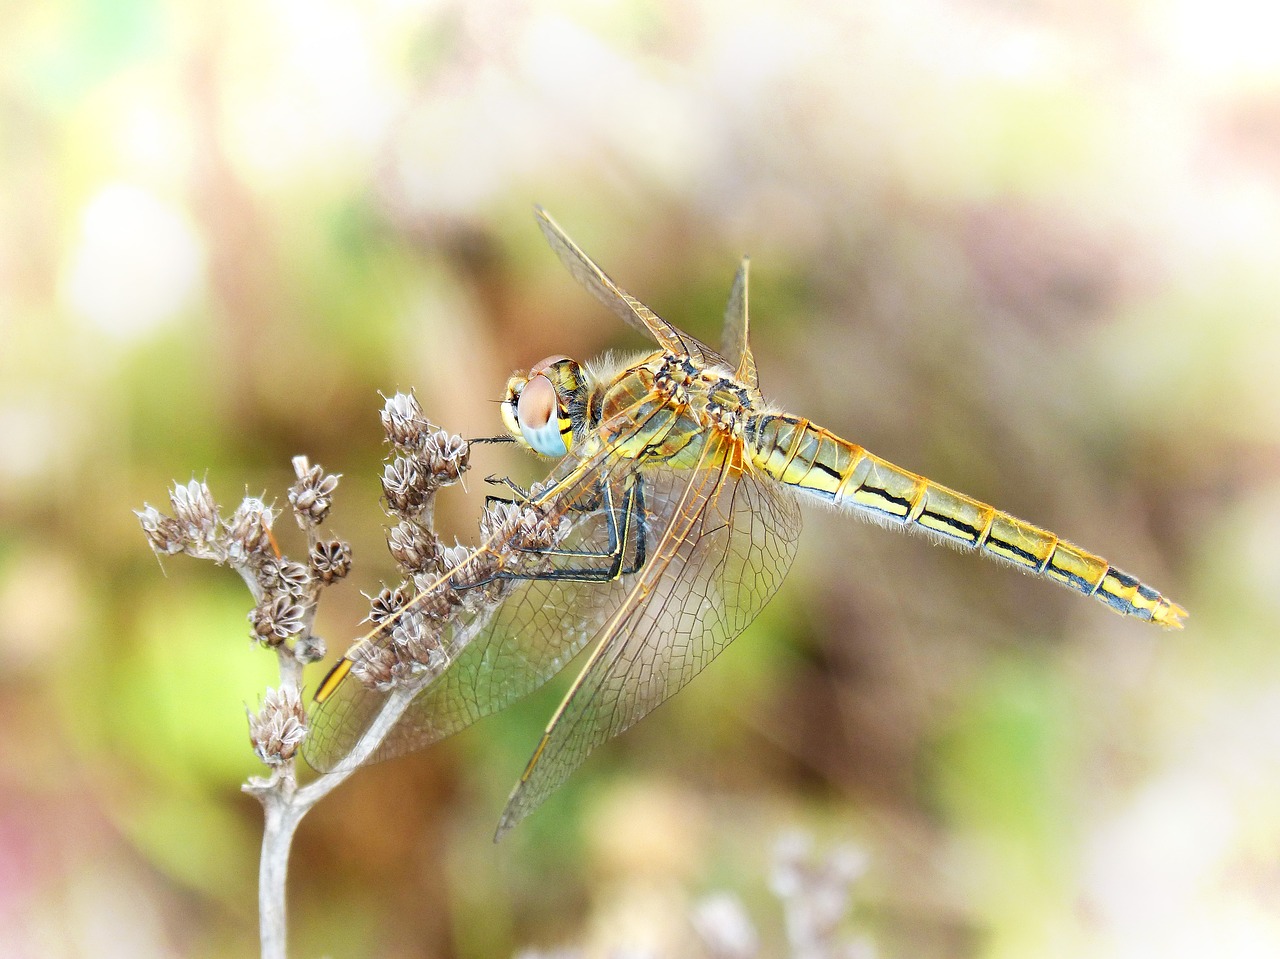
column 621, row 303
column 731, row 539
column 502, row 649
column 736, row 345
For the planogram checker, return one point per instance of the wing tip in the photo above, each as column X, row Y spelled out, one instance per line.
column 515, row 810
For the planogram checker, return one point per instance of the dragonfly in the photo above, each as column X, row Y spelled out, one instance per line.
column 670, row 519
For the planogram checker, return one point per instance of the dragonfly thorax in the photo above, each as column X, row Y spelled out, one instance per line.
column 666, row 406
column 713, row 396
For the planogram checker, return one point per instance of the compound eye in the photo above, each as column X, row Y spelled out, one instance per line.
column 542, row 365
column 537, row 403
column 537, row 412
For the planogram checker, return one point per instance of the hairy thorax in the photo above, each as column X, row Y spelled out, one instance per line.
column 665, row 407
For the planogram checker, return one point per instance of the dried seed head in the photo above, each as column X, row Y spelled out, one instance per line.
column 279, row 726
column 451, row 557
column 468, row 568
column 409, row 647
column 520, row 526
column 497, row 520
column 294, row 577
column 403, row 485
column 312, row 495
column 282, row 575
column 412, row 545
column 277, row 618
column 435, row 597
column 446, row 457
column 403, row 422
column 268, row 576
column 373, row 665
column 164, row 533
column 387, row 603
column 408, row 632
column 248, row 534
column 330, row 560
column 196, row 512
column 425, row 653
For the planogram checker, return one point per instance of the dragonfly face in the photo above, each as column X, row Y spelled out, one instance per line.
column 546, row 409
column 670, row 520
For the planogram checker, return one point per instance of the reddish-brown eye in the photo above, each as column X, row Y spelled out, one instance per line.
column 537, row 403
column 543, row 364
column 538, row 416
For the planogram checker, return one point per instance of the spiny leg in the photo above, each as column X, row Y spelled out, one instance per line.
column 620, row 543
column 620, row 538
column 522, row 496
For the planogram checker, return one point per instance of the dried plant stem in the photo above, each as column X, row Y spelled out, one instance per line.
column 282, row 811
column 286, row 594
column 284, row 805
column 282, row 814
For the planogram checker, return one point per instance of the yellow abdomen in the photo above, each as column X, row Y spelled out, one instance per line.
column 816, row 462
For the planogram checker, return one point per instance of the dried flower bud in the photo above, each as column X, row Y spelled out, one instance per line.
column 435, row 598
column 164, row 533
column 412, row 545
column 407, row 632
column 403, row 422
column 312, row 495
column 522, row 526
column 294, row 577
column 249, row 532
column 277, row 618
column 195, row 510
column 279, row 726
column 330, row 560
column 373, row 665
column 403, row 485
column 446, row 457
column 468, row 568
column 387, row 603
column 451, row 557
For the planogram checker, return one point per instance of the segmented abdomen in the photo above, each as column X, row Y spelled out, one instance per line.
column 817, row 462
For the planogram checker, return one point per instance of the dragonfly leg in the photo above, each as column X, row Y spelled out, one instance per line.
column 520, row 494
column 626, row 531
column 632, row 520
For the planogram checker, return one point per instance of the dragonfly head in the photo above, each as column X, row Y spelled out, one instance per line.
column 542, row 410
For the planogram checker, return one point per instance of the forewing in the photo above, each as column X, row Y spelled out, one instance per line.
column 730, row 542
column 621, row 303
column 736, row 344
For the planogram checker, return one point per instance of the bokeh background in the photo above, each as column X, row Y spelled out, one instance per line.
column 1031, row 250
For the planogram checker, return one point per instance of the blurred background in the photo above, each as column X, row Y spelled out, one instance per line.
column 1030, row 250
